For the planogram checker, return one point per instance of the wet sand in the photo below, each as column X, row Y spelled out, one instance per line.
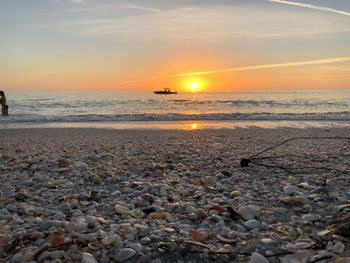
column 99, row 195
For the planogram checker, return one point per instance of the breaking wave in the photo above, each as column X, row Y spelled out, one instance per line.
column 264, row 116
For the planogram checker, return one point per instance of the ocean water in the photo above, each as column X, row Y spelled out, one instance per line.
column 114, row 107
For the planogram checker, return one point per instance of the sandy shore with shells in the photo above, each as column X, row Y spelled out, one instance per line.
column 98, row 195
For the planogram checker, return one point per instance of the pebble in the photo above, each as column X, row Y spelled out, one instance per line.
column 291, row 189
column 258, row 258
column 246, row 212
column 112, row 200
column 125, row 254
column 309, row 218
column 298, row 200
column 252, row 223
column 88, row 258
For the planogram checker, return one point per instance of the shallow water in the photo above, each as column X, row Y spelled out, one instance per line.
column 117, row 107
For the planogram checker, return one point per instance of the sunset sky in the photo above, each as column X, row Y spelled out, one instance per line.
column 124, row 45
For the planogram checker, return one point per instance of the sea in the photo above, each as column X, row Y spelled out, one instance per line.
column 301, row 108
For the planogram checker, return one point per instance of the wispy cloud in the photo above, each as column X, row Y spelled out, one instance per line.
column 316, row 7
column 267, row 66
column 255, row 67
column 219, row 24
column 141, row 8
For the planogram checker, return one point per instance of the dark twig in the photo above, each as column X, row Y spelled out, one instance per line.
column 246, row 161
column 297, row 138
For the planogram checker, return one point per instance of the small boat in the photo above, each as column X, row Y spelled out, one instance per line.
column 165, row 91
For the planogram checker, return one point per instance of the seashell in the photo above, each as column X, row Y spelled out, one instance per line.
column 4, row 241
column 226, row 240
column 62, row 163
column 197, row 235
column 57, row 238
column 158, row 216
column 217, row 208
column 200, row 213
column 121, row 210
column 298, row 199
column 137, row 213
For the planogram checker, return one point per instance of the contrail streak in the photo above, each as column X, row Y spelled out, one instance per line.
column 316, row 7
column 255, row 67
column 266, row 66
column 141, row 8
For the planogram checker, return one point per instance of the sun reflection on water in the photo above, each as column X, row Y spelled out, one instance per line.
column 194, row 126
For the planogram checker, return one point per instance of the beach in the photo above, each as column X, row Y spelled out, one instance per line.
column 106, row 195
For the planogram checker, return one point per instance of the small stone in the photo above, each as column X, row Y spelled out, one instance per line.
column 338, row 247
column 298, row 199
column 111, row 239
column 291, row 189
column 258, row 258
column 125, row 254
column 190, row 209
column 246, row 212
column 44, row 255
column 88, row 258
column 250, row 224
column 267, row 241
column 137, row 247
column 302, row 245
column 301, row 256
column 148, row 198
column 57, row 254
column 342, row 260
column 309, row 218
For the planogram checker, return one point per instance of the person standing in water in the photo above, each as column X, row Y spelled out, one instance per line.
column 4, row 106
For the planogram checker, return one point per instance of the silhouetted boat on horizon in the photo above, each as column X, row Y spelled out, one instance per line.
column 165, row 91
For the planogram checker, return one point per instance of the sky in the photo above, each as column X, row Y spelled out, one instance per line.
column 134, row 45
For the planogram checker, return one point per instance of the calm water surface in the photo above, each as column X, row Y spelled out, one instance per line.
column 116, row 107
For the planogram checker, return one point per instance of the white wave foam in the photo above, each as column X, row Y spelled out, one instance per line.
column 326, row 116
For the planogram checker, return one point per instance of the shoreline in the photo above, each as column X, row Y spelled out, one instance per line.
column 106, row 195
column 180, row 125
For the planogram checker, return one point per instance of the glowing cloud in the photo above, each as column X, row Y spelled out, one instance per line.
column 316, row 7
column 255, row 67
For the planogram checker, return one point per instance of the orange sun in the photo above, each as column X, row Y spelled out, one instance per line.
column 193, row 85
